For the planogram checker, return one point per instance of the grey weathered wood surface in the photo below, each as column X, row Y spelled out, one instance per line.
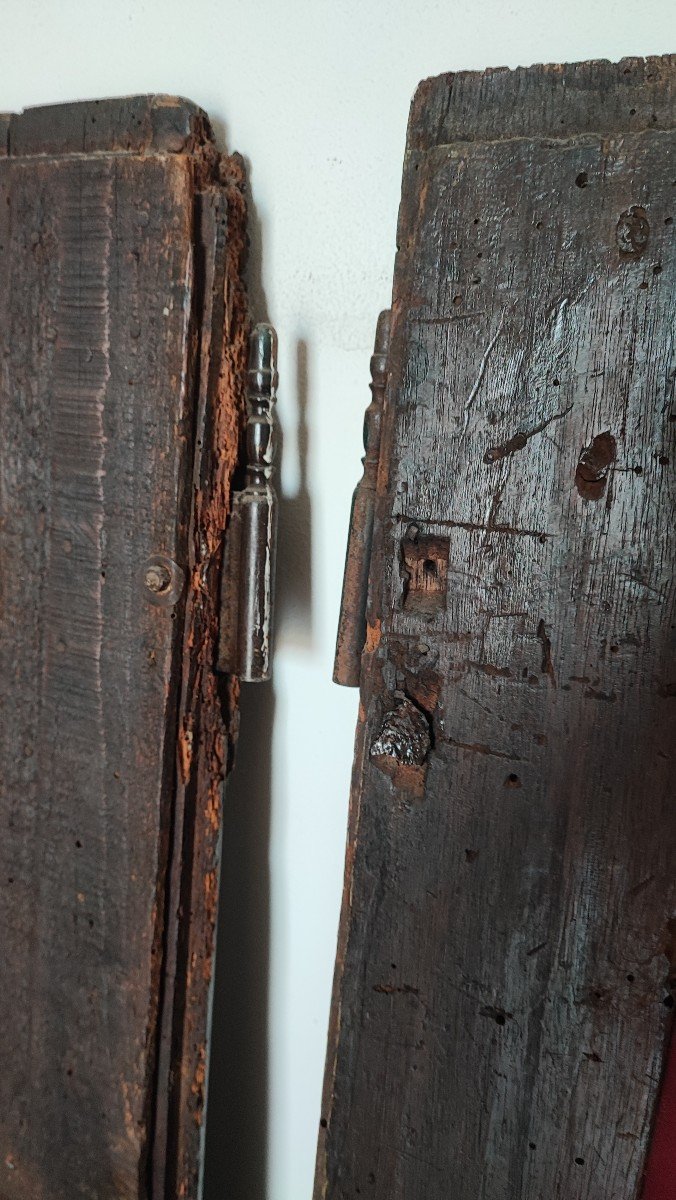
column 120, row 411
column 504, row 979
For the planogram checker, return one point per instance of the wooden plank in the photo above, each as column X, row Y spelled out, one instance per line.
column 504, row 982
column 208, row 705
column 106, row 418
column 128, row 125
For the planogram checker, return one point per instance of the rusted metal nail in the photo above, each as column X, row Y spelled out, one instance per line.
column 162, row 580
column 158, row 578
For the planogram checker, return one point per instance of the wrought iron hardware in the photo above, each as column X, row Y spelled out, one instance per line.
column 352, row 621
column 247, row 589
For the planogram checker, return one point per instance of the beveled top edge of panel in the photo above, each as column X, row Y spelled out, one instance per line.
column 546, row 100
column 154, row 124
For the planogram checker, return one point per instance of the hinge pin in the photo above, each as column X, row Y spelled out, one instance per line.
column 249, row 561
column 352, row 623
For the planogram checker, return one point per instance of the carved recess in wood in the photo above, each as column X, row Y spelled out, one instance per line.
column 403, row 744
column 425, row 571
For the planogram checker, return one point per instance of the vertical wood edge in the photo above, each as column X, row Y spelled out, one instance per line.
column 207, row 722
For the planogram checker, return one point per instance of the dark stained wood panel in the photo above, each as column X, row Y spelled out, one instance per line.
column 504, row 986
column 110, row 411
column 126, row 125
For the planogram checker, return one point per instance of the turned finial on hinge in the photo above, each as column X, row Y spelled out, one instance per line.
column 352, row 623
column 249, row 562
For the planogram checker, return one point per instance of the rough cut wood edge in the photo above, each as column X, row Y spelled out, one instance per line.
column 560, row 100
column 208, row 714
column 125, row 125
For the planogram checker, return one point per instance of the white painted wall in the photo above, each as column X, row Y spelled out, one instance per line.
column 315, row 95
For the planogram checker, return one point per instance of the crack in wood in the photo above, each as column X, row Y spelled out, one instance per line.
column 521, row 439
column 478, row 527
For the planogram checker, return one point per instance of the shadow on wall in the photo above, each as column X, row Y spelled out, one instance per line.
column 294, row 571
column 237, row 1126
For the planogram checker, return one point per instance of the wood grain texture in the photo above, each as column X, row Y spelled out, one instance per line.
column 128, row 125
column 505, row 966
column 113, row 398
column 208, row 715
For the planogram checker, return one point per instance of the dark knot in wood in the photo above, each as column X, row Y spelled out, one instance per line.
column 591, row 475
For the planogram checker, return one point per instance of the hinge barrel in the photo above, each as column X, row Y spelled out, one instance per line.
column 245, row 645
column 352, row 622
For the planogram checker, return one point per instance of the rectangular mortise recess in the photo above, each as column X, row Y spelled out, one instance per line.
column 424, row 560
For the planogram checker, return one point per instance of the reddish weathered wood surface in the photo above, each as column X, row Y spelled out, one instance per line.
column 504, row 981
column 122, row 326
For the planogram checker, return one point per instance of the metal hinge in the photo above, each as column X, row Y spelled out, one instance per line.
column 247, row 589
column 352, row 622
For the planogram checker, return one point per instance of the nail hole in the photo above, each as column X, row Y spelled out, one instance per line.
column 582, row 179
column 323, row 1122
column 630, row 978
column 512, row 781
column 580, row 1162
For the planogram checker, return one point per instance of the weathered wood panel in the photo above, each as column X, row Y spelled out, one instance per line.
column 114, row 405
column 504, row 983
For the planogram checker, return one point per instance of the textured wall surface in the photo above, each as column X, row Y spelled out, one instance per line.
column 316, row 97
